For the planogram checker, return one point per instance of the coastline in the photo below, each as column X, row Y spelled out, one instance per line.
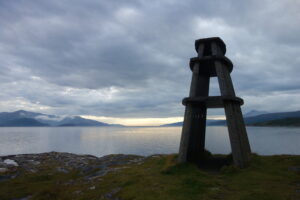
column 56, row 175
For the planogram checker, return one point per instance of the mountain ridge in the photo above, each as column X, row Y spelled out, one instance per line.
column 32, row 119
column 252, row 120
column 208, row 122
column 27, row 118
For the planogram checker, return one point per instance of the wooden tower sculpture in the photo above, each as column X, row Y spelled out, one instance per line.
column 211, row 62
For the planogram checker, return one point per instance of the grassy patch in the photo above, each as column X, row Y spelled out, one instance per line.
column 160, row 178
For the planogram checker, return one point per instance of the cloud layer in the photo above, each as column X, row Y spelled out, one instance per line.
column 130, row 58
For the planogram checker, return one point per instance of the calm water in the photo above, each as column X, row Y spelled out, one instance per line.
column 101, row 141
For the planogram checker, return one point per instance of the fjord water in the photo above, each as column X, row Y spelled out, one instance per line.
column 100, row 141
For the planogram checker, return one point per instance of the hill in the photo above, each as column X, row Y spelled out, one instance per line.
column 208, row 123
column 262, row 118
column 22, row 122
column 79, row 121
column 172, row 124
column 271, row 116
column 25, row 118
column 257, row 120
column 254, row 113
column 292, row 121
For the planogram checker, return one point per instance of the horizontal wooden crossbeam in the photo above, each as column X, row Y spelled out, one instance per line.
column 207, row 64
column 212, row 101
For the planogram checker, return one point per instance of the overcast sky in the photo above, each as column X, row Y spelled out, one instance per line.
column 116, row 60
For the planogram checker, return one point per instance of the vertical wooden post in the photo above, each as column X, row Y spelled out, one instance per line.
column 235, row 122
column 193, row 132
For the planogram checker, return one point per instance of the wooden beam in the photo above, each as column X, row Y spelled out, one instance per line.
column 236, row 127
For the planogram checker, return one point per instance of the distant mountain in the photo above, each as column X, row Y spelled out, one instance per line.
column 292, row 121
column 116, row 125
column 254, row 113
column 22, row 122
column 20, row 118
column 51, row 120
column 6, row 116
column 252, row 120
column 79, row 121
column 271, row 116
column 218, row 123
column 172, row 124
column 25, row 118
column 208, row 122
column 262, row 118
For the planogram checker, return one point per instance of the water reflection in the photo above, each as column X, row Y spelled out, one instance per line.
column 101, row 141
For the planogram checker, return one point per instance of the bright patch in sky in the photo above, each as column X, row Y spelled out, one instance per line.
column 142, row 121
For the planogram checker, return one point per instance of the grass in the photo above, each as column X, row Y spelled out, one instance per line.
column 160, row 178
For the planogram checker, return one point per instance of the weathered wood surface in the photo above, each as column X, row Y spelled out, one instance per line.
column 235, row 122
column 192, row 142
column 212, row 101
column 193, row 131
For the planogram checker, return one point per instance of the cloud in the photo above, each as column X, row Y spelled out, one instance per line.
column 52, row 118
column 130, row 58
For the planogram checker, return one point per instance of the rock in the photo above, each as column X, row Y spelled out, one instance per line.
column 97, row 174
column 90, row 168
column 3, row 170
column 86, row 169
column 11, row 162
column 34, row 162
column 32, row 170
column 155, row 156
column 92, row 188
column 111, row 194
column 138, row 160
column 63, row 170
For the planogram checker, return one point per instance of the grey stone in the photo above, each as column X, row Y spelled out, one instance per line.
column 91, row 168
column 92, row 188
column 11, row 162
column 3, row 170
column 63, row 170
column 111, row 194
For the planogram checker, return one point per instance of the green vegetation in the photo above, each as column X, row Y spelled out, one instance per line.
column 159, row 178
column 292, row 121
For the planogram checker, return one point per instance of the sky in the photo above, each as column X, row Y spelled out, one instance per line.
column 127, row 61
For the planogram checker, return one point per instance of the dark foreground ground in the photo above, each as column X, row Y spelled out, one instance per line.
column 126, row 177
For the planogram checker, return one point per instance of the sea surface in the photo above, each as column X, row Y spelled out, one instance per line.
column 100, row 141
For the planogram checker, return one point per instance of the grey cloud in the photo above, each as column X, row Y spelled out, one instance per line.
column 142, row 49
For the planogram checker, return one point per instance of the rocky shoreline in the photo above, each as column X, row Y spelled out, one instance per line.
column 67, row 162
column 56, row 175
column 90, row 168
